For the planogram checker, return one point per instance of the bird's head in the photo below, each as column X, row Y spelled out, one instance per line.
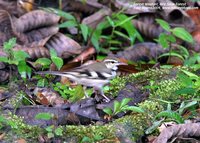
column 112, row 63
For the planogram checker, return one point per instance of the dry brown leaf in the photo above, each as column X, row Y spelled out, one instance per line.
column 94, row 19
column 35, row 20
column 64, row 46
column 181, row 130
column 48, row 97
column 142, row 51
column 149, row 30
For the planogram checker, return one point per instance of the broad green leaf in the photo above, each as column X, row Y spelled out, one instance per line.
column 163, row 24
column 95, row 41
column 57, row 61
column 108, row 111
column 171, row 38
column 116, row 108
column 182, row 34
column 190, row 74
column 68, row 24
column 53, row 53
column 43, row 61
column 185, row 91
column 22, row 69
column 86, row 140
column 185, row 80
column 42, row 82
column 134, row 109
column 44, row 116
column 125, row 101
column 84, row 30
column 172, row 115
column 163, row 40
column 3, row 59
column 20, row 55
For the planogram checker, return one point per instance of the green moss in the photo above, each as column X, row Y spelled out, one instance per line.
column 94, row 133
column 119, row 83
column 18, row 129
column 134, row 125
column 166, row 89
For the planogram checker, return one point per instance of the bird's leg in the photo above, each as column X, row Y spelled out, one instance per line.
column 102, row 94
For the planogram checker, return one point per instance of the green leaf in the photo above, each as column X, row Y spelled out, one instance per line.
column 172, row 54
column 68, row 24
column 57, row 61
column 20, row 55
column 23, row 69
column 95, row 41
column 184, row 52
column 125, row 101
column 163, row 40
column 163, row 24
column 190, row 74
column 185, row 90
column 49, row 128
column 10, row 44
column 185, row 80
column 108, row 111
column 59, row 131
column 42, row 82
column 182, row 34
column 111, row 22
column 86, row 140
column 65, row 14
column 134, row 109
column 121, row 34
column 124, row 21
column 3, row 59
column 188, row 105
column 172, row 115
column 53, row 53
column 153, row 127
column 43, row 61
column 44, row 116
column 84, row 30
column 2, row 119
column 171, row 38
column 116, row 107
column 78, row 94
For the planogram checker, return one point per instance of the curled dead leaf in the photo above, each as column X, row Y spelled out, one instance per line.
column 64, row 46
column 35, row 20
column 48, row 97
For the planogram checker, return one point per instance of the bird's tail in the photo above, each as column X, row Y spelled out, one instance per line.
column 49, row 72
